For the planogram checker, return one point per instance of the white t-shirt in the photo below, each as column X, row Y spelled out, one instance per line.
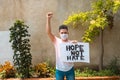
column 60, row 65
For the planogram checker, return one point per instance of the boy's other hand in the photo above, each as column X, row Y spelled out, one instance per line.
column 74, row 41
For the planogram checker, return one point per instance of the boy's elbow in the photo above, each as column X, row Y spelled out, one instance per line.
column 48, row 32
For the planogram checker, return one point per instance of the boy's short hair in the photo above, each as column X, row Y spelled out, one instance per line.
column 63, row 27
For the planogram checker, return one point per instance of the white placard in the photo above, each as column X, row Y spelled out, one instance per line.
column 78, row 52
column 6, row 52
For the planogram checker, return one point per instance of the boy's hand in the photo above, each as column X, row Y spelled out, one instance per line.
column 49, row 15
column 74, row 41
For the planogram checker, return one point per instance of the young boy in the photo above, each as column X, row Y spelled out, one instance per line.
column 63, row 69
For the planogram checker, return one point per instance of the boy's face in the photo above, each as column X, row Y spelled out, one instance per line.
column 63, row 34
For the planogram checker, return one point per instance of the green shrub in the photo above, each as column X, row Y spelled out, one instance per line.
column 19, row 37
column 85, row 73
column 89, row 72
column 105, row 72
column 114, row 65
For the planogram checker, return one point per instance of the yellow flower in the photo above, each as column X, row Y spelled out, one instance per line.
column 92, row 22
column 1, row 69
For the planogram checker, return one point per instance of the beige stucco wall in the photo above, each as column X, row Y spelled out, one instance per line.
column 33, row 12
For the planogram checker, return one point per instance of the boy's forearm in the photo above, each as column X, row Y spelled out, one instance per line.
column 48, row 26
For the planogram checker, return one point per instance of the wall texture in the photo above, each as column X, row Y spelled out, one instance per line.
column 33, row 12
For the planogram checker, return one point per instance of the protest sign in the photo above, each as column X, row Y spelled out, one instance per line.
column 78, row 52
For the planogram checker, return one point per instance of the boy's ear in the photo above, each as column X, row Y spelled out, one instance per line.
column 68, row 32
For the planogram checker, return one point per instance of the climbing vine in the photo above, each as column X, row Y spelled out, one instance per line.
column 101, row 16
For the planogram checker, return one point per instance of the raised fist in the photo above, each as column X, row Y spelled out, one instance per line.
column 49, row 15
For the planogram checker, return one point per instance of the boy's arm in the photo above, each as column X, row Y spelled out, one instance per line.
column 48, row 26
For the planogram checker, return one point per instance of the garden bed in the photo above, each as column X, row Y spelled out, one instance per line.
column 77, row 78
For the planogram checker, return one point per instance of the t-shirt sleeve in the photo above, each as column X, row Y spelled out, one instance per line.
column 56, row 41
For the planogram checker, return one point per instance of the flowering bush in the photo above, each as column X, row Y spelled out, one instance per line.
column 42, row 70
column 7, row 70
column 39, row 70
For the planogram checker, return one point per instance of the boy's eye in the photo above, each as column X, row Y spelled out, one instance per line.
column 63, row 32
